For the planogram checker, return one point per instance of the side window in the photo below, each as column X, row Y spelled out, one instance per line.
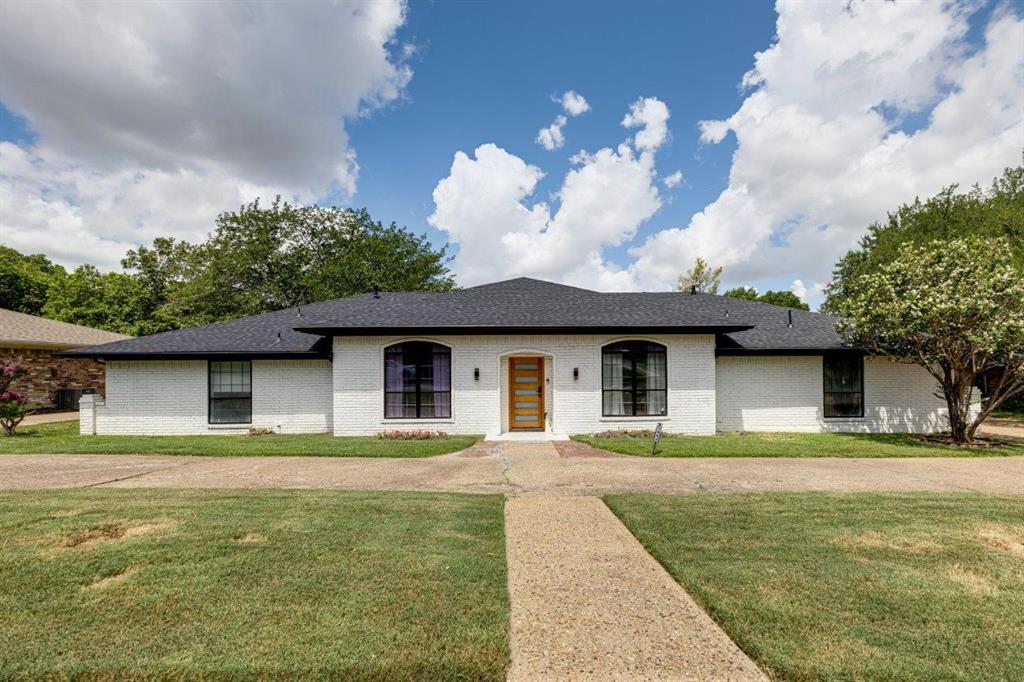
column 230, row 390
column 844, row 385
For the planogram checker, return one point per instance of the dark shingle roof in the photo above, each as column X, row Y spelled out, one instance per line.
column 513, row 306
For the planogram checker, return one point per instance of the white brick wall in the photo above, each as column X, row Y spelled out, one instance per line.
column 170, row 397
column 784, row 393
column 574, row 406
column 733, row 393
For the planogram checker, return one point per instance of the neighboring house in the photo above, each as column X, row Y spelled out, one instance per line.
column 516, row 355
column 32, row 341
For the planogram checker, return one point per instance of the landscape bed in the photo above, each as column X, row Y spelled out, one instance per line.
column 108, row 584
column 749, row 444
column 63, row 438
column 854, row 586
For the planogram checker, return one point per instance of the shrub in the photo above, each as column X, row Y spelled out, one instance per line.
column 260, row 431
column 410, row 435
column 13, row 406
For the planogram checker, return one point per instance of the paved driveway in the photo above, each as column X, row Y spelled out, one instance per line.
column 517, row 468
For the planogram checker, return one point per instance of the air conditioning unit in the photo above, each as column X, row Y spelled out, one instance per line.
column 67, row 398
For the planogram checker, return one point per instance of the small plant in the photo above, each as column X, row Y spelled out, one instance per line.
column 410, row 435
column 260, row 431
column 13, row 406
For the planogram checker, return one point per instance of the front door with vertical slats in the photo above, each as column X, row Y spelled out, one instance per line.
column 526, row 393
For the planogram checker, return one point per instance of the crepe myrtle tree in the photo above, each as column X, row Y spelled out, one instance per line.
column 13, row 406
column 955, row 307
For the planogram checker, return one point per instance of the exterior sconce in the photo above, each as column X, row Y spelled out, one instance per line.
column 575, row 373
column 476, row 374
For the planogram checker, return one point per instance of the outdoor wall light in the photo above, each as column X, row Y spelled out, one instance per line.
column 476, row 374
column 575, row 373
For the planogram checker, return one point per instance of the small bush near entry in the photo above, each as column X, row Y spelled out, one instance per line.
column 410, row 435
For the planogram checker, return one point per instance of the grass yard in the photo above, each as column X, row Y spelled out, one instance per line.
column 862, row 586
column 63, row 438
column 790, row 445
column 116, row 584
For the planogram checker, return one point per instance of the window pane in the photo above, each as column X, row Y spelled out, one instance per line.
column 230, row 391
column 631, row 370
column 231, row 411
column 843, row 386
column 417, row 381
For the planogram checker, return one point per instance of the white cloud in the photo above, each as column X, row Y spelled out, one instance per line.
column 574, row 103
column 817, row 161
column 673, row 180
column 552, row 138
column 820, row 154
column 483, row 207
column 152, row 118
column 651, row 116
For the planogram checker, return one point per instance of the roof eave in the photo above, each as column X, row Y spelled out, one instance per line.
column 463, row 330
column 822, row 350
column 197, row 355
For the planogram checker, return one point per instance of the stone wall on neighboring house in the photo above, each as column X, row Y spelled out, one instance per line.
column 47, row 373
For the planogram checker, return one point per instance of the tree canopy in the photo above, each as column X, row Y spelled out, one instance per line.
column 996, row 212
column 701, row 278
column 786, row 299
column 258, row 259
column 955, row 307
column 24, row 280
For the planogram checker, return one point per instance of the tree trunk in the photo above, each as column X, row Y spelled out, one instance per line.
column 959, row 406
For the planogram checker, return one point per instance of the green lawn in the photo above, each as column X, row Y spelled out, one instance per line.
column 863, row 586
column 106, row 584
column 63, row 438
column 791, row 445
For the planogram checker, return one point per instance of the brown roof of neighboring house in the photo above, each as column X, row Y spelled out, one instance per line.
column 21, row 330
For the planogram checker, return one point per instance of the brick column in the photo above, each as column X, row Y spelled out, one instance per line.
column 87, row 414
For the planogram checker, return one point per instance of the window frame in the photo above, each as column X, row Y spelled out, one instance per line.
column 859, row 358
column 210, row 397
column 633, row 391
column 418, row 380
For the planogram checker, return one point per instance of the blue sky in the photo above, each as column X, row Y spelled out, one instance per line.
column 794, row 126
column 485, row 72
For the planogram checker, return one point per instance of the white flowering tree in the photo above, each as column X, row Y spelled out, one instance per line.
column 956, row 308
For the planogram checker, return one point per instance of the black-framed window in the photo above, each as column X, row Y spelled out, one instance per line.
column 417, row 381
column 843, row 385
column 634, row 379
column 230, row 389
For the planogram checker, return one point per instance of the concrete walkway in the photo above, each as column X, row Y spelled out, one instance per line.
column 518, row 468
column 49, row 418
column 589, row 602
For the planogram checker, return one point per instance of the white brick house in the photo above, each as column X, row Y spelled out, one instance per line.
column 517, row 355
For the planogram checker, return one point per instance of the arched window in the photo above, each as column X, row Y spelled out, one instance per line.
column 417, row 381
column 633, row 379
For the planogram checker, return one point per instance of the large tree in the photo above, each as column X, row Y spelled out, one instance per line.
column 24, row 280
column 990, row 213
column 701, row 278
column 265, row 258
column 955, row 307
column 786, row 299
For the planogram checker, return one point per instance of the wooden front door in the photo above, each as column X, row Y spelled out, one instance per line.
column 526, row 394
